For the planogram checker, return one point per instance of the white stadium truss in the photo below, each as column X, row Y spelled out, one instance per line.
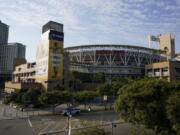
column 118, row 60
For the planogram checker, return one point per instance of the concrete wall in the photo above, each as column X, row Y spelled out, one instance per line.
column 167, row 42
column 11, row 87
column 173, row 70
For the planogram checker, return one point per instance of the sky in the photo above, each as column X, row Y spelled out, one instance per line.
column 85, row 22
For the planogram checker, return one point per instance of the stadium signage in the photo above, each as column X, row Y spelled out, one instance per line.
column 55, row 35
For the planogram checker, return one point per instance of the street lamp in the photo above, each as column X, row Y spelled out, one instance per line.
column 112, row 127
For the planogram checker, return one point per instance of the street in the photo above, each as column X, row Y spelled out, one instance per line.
column 57, row 124
column 20, row 123
column 15, row 127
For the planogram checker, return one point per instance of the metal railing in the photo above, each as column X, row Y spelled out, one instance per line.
column 110, row 127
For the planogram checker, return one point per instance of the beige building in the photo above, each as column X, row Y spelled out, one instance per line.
column 24, row 73
column 14, row 86
column 169, row 70
column 23, row 77
column 167, row 44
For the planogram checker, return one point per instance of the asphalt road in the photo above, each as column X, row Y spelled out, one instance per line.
column 105, row 116
column 58, row 123
column 15, row 127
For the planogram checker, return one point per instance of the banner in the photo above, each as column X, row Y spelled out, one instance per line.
column 154, row 38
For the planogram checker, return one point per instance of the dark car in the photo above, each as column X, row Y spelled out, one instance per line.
column 71, row 111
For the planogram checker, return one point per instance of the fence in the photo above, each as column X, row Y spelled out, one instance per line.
column 9, row 112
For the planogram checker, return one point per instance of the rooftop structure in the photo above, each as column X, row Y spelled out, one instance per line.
column 51, row 25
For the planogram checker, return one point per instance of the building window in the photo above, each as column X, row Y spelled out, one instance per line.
column 55, row 44
column 177, row 70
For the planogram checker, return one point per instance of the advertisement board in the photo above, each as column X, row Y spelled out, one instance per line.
column 55, row 35
column 55, row 60
column 49, row 59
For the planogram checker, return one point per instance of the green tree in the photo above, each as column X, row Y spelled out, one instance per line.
column 92, row 131
column 14, row 97
column 140, row 130
column 117, row 83
column 105, row 89
column 144, row 102
column 59, row 87
column 50, row 98
column 99, row 78
column 84, row 97
column 54, row 98
column 173, row 111
column 11, row 98
column 31, row 97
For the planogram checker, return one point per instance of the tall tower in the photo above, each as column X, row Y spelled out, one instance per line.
column 49, row 58
column 4, row 32
column 166, row 43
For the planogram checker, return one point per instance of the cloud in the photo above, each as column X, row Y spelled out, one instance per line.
column 84, row 20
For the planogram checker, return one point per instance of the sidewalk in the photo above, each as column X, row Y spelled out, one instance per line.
column 84, row 109
column 8, row 112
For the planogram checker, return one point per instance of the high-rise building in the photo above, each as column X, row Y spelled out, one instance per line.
column 49, row 58
column 4, row 31
column 10, row 55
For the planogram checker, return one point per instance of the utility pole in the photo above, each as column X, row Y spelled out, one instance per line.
column 112, row 127
column 69, row 123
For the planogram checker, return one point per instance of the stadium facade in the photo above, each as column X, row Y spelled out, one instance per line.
column 112, row 60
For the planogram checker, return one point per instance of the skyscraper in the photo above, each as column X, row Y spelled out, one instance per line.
column 4, row 31
column 10, row 54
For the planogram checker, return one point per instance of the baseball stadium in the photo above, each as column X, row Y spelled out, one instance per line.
column 112, row 60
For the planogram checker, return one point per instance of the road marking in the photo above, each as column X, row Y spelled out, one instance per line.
column 29, row 122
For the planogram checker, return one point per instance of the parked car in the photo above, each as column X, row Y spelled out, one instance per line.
column 71, row 111
column 15, row 106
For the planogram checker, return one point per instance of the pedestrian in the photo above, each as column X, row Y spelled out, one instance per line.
column 89, row 108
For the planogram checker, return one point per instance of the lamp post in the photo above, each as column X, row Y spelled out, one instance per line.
column 112, row 127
